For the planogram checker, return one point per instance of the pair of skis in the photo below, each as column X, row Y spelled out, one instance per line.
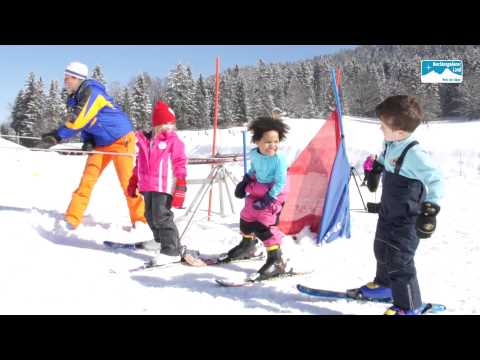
column 196, row 260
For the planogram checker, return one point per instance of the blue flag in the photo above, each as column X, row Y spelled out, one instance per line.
column 336, row 211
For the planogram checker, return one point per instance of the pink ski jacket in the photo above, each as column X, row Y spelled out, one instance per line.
column 160, row 162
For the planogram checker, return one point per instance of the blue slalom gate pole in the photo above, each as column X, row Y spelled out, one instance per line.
column 244, row 133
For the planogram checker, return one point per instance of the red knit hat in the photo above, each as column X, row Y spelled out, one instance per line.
column 162, row 114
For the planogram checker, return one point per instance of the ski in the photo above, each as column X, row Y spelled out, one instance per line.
column 195, row 261
column 151, row 266
column 117, row 245
column 355, row 295
column 207, row 260
column 249, row 281
column 212, row 261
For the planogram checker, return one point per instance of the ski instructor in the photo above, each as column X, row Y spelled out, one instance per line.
column 105, row 128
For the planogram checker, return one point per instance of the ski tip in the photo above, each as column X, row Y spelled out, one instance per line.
column 115, row 245
column 194, row 261
column 434, row 308
column 231, row 283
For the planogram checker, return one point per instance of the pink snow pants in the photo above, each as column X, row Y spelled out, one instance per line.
column 268, row 216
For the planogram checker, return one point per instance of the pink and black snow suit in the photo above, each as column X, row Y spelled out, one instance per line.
column 161, row 161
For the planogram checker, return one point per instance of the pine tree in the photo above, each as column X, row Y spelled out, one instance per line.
column 55, row 109
column 225, row 116
column 37, row 108
column 238, row 99
column 353, row 87
column 467, row 96
column 180, row 94
column 201, row 106
column 320, row 84
column 5, row 129
column 429, row 97
column 97, row 74
column 278, row 85
column 369, row 90
column 141, row 108
column 115, row 90
column 18, row 111
column 125, row 101
column 469, row 102
column 154, row 88
column 449, row 99
column 261, row 99
column 306, row 96
column 210, row 96
column 296, row 98
column 28, row 110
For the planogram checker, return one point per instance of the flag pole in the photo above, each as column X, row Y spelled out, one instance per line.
column 215, row 122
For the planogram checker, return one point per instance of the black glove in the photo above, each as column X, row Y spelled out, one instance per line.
column 263, row 202
column 88, row 145
column 373, row 177
column 49, row 139
column 427, row 220
column 373, row 207
column 240, row 188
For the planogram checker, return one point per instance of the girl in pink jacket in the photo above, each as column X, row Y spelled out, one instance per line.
column 160, row 176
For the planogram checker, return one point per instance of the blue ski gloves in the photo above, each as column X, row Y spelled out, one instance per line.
column 263, row 203
column 427, row 220
column 240, row 188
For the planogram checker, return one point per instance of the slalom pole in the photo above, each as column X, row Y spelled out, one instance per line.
column 335, row 86
column 244, row 133
column 21, row 137
column 339, row 129
column 76, row 151
column 215, row 122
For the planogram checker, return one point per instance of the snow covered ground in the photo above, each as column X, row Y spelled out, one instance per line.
column 47, row 269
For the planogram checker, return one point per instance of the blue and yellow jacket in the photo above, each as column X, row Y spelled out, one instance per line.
column 92, row 111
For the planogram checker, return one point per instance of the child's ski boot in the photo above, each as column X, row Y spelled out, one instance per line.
column 374, row 291
column 245, row 250
column 274, row 266
column 396, row 310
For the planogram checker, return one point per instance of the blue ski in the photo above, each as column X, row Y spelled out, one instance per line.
column 353, row 295
column 116, row 245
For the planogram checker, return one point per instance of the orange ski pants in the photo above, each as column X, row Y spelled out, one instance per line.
column 94, row 167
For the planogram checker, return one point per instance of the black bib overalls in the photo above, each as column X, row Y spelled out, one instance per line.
column 396, row 238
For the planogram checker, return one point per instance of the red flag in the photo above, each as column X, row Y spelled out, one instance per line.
column 308, row 180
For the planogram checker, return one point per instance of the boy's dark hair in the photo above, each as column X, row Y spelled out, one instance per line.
column 261, row 125
column 400, row 112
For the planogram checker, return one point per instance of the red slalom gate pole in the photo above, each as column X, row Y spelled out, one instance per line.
column 215, row 122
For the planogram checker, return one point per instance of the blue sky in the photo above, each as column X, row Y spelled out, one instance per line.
column 122, row 62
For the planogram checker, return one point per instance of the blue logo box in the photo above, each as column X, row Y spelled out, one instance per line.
column 441, row 71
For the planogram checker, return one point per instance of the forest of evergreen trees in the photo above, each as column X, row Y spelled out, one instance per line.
column 302, row 89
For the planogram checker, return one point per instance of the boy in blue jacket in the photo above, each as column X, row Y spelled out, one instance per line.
column 411, row 193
